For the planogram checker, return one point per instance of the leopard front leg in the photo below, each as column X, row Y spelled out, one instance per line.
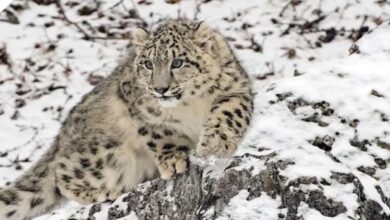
column 169, row 149
column 229, row 117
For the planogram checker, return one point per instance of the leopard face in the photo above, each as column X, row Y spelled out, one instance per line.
column 174, row 63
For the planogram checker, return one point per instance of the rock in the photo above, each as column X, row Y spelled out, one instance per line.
column 198, row 195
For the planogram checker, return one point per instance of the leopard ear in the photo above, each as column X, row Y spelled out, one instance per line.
column 202, row 33
column 210, row 40
column 139, row 36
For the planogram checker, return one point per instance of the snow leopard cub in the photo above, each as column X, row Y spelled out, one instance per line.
column 180, row 89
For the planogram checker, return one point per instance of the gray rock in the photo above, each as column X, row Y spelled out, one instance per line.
column 200, row 194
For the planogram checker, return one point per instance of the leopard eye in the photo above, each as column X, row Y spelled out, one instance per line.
column 148, row 64
column 176, row 63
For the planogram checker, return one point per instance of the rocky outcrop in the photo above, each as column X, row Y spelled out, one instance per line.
column 206, row 195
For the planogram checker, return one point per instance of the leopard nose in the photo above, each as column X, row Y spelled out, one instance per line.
column 161, row 90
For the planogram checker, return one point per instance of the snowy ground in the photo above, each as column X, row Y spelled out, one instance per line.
column 316, row 105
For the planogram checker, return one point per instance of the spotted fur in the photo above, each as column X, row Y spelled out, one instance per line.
column 180, row 89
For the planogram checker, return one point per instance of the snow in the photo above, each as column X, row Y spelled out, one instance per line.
column 343, row 193
column 263, row 207
column 4, row 4
column 356, row 87
column 312, row 214
column 351, row 98
column 380, row 36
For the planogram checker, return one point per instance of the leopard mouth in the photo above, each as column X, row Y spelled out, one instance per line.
column 170, row 98
column 169, row 101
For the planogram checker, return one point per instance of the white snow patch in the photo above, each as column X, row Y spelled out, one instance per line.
column 376, row 42
column 307, row 213
column 263, row 207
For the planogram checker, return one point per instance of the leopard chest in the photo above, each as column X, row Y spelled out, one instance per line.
column 188, row 119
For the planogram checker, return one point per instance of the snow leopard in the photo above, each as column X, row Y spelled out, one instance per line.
column 180, row 91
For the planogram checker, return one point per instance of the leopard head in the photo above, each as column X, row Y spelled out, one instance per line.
column 179, row 60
